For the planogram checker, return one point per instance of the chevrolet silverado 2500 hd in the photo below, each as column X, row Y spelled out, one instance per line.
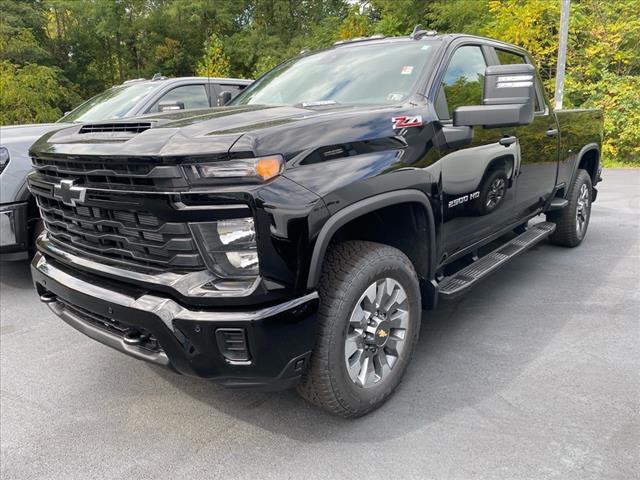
column 294, row 236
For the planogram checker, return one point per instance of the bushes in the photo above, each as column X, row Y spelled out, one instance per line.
column 33, row 94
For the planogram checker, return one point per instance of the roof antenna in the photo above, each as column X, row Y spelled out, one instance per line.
column 417, row 29
column 211, row 92
column 419, row 32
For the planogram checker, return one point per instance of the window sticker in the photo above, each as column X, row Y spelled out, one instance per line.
column 395, row 97
column 406, row 70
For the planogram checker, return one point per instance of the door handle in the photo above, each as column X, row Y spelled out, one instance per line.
column 552, row 132
column 506, row 141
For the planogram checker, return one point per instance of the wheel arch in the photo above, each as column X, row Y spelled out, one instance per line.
column 588, row 159
column 345, row 222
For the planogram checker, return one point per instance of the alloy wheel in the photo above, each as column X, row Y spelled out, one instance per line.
column 377, row 332
column 583, row 210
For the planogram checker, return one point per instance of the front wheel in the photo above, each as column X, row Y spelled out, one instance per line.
column 369, row 319
column 36, row 227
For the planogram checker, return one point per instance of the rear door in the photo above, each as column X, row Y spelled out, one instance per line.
column 477, row 178
column 538, row 145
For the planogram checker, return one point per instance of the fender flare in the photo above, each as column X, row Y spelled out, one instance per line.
column 587, row 148
column 358, row 209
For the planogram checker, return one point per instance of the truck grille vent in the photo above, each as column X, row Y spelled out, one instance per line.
column 232, row 343
column 120, row 236
column 118, row 172
column 134, row 128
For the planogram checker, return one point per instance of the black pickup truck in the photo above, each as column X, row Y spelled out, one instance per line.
column 294, row 236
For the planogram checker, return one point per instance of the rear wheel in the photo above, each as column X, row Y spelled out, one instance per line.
column 573, row 220
column 492, row 192
column 369, row 319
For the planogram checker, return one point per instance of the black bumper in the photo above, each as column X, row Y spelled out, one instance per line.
column 14, row 234
column 279, row 338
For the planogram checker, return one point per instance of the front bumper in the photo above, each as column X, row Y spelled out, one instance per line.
column 279, row 338
column 13, row 232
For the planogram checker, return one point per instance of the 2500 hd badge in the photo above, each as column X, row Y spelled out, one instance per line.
column 295, row 236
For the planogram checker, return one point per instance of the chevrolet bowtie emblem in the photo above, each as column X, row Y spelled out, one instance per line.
column 68, row 193
column 382, row 334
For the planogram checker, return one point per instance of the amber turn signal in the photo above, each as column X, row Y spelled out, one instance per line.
column 269, row 167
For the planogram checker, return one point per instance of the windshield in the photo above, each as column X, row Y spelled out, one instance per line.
column 113, row 103
column 376, row 73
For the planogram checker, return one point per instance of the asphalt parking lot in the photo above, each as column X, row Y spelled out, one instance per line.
column 534, row 374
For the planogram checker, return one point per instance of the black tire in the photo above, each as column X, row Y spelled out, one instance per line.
column 489, row 198
column 569, row 232
column 36, row 226
column 349, row 269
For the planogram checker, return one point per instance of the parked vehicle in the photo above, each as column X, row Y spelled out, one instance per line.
column 295, row 236
column 19, row 219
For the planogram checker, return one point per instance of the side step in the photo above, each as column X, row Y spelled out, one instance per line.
column 557, row 204
column 452, row 286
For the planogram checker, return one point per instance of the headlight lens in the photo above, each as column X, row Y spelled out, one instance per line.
column 229, row 246
column 4, row 158
column 236, row 230
column 258, row 169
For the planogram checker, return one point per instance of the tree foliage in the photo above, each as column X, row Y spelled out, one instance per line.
column 54, row 52
column 214, row 62
column 33, row 94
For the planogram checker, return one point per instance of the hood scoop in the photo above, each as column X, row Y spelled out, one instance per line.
column 119, row 127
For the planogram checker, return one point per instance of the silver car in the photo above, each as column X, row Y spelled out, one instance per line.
column 19, row 219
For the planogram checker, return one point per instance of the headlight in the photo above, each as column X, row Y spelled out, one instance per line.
column 229, row 246
column 4, row 158
column 246, row 170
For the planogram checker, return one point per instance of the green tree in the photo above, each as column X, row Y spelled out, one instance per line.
column 33, row 94
column 214, row 62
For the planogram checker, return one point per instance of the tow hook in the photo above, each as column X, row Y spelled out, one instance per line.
column 134, row 337
column 48, row 297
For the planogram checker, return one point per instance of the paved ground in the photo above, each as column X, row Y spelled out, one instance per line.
column 535, row 374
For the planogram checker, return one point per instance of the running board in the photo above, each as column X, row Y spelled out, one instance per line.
column 450, row 287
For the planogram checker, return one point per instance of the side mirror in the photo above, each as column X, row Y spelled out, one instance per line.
column 508, row 99
column 170, row 106
column 224, row 98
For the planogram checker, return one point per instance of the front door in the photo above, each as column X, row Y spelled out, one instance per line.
column 477, row 178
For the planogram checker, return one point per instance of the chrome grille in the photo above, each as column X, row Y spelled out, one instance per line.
column 121, row 236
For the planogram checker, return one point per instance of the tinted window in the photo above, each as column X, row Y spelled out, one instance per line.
column 509, row 58
column 373, row 73
column 110, row 104
column 463, row 81
column 191, row 96
column 234, row 89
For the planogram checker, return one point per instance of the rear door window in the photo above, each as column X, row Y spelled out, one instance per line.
column 511, row 58
column 188, row 96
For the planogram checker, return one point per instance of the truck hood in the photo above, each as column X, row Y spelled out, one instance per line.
column 21, row 134
column 251, row 129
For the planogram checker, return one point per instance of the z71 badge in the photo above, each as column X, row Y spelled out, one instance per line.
column 407, row 121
